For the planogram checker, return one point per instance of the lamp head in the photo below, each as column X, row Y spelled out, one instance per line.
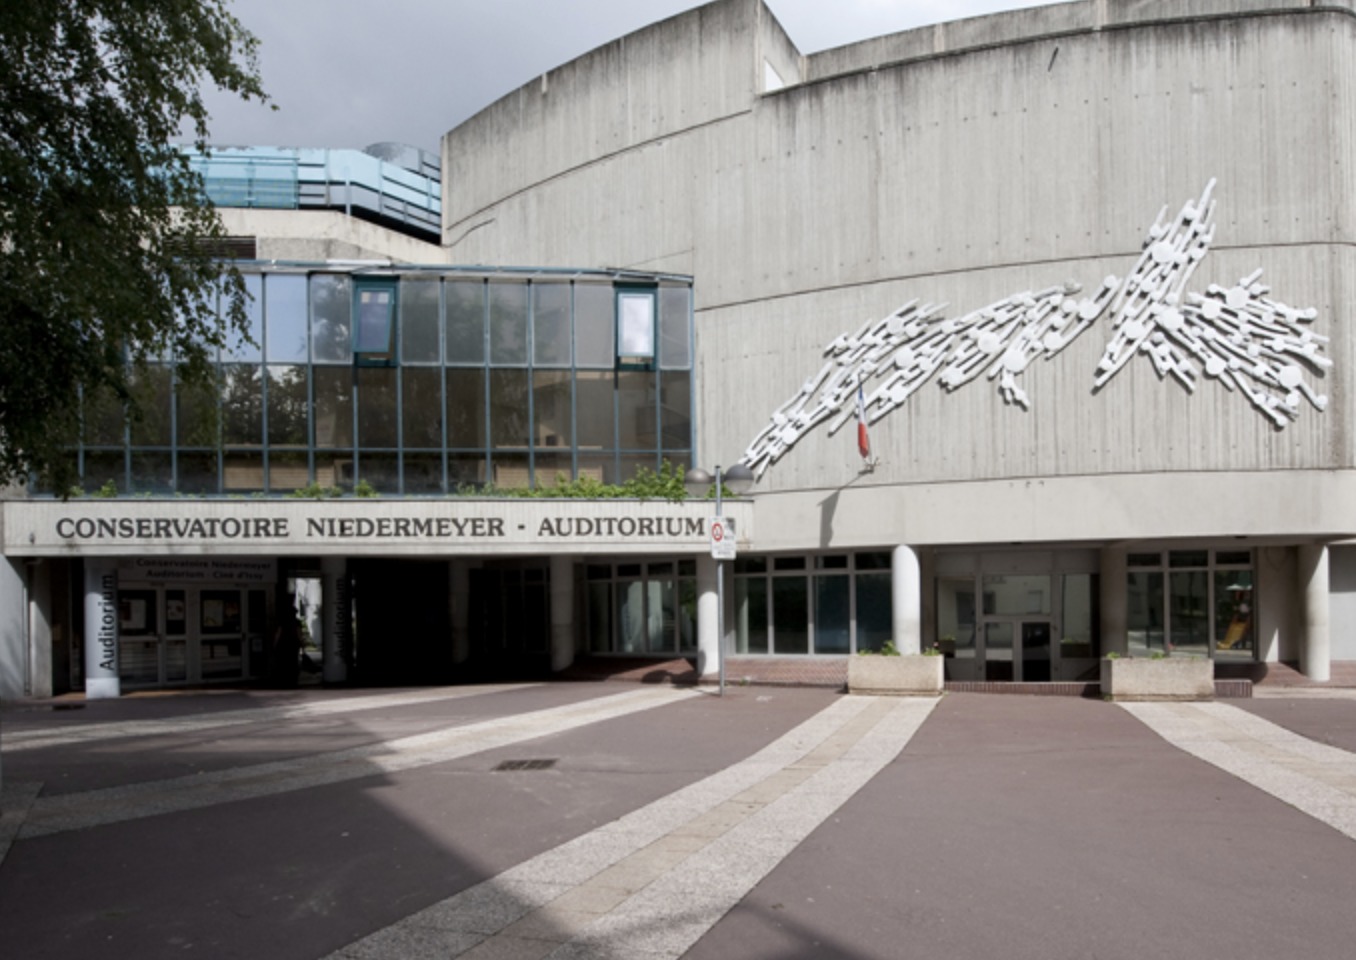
column 738, row 479
column 697, row 482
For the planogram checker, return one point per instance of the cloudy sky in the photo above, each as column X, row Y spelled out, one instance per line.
column 346, row 73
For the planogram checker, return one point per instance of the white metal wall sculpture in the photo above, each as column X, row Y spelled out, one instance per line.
column 1236, row 335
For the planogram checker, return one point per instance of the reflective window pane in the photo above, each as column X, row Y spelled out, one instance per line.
column 750, row 614
column 378, row 420
column 465, row 321
column 242, row 405
column 104, row 418
column 1016, row 595
column 833, row 615
column 419, row 320
column 331, row 318
column 380, row 470
column 509, row 408
column 375, row 320
column 593, row 400
column 465, row 471
column 790, row 615
column 104, row 467
column 288, row 404
column 1144, row 619
column 465, row 408
column 197, row 473
column 675, row 411
column 594, row 325
column 956, row 617
column 1189, row 613
column 287, row 471
column 242, row 471
column 551, row 467
column 236, row 347
column 1233, row 614
column 508, row 324
column 151, row 390
column 422, row 411
column 152, row 472
column 637, row 413
column 197, row 419
column 874, row 604
column 285, row 318
column 675, row 339
column 1079, row 616
column 423, row 473
column 551, row 324
column 512, row 470
column 333, row 406
column 551, row 409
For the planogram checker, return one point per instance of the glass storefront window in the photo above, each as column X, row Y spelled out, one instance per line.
column 956, row 617
column 750, row 614
column 1233, row 614
column 1189, row 612
column 875, row 624
column 790, row 615
column 1079, row 616
column 833, row 614
column 1144, row 612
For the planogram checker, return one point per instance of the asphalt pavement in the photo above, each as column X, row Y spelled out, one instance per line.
column 634, row 822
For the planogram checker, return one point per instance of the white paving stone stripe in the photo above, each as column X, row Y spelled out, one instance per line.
column 133, row 801
column 13, row 741
column 650, row 884
column 1312, row 777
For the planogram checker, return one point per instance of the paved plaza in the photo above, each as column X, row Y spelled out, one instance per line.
column 635, row 822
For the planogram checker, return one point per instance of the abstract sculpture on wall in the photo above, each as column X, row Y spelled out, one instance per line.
column 1235, row 335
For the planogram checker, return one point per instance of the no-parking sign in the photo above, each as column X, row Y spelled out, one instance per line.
column 722, row 538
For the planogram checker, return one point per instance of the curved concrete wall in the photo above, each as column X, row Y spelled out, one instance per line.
column 960, row 164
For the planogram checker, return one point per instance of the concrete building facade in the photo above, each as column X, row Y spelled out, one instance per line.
column 1081, row 271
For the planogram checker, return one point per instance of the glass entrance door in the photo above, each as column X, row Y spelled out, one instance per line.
column 1017, row 650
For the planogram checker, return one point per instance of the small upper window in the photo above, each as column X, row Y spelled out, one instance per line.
column 374, row 329
column 635, row 328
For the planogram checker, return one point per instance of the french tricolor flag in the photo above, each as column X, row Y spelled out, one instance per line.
column 863, row 441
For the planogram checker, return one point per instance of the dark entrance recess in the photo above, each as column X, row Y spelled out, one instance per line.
column 403, row 628
column 509, row 621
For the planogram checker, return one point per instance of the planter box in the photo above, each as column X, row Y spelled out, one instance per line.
column 908, row 676
column 1171, row 678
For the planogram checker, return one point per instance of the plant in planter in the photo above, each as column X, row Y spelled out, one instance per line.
column 894, row 674
column 1157, row 677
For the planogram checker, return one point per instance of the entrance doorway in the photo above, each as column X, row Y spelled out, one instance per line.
column 1016, row 650
column 174, row 635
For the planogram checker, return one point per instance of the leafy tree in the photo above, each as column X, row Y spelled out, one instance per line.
column 106, row 236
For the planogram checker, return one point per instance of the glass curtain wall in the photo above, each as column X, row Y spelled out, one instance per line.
column 499, row 379
column 819, row 604
column 1192, row 603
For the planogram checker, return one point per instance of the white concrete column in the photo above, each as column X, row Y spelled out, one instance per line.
column 101, row 629
column 1113, row 601
column 562, row 613
column 1315, row 642
column 708, row 627
column 459, row 596
column 40, row 637
column 15, row 643
column 337, row 601
column 1275, row 605
column 906, row 595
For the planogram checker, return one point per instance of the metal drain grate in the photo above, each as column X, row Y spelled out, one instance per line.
column 540, row 764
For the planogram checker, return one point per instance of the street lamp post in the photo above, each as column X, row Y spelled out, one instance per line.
column 739, row 479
